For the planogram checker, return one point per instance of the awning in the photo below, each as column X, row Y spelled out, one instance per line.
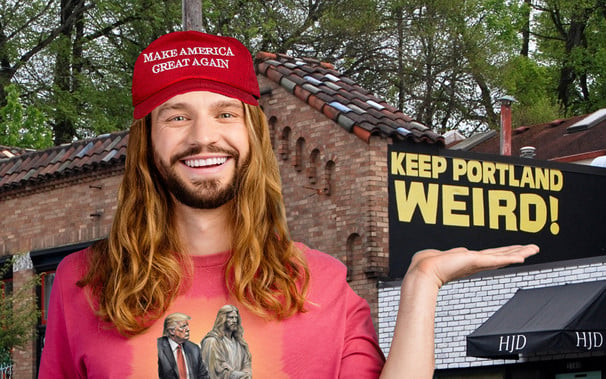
column 559, row 319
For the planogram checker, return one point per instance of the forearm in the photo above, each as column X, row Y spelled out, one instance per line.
column 411, row 354
column 412, row 348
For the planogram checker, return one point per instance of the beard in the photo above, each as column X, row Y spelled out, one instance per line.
column 201, row 194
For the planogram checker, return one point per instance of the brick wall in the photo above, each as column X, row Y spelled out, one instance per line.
column 464, row 305
column 350, row 222
column 56, row 213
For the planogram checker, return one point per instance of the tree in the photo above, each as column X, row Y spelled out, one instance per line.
column 571, row 41
column 21, row 126
column 444, row 59
column 442, row 62
column 73, row 58
column 18, row 313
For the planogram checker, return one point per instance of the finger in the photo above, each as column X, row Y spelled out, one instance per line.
column 525, row 250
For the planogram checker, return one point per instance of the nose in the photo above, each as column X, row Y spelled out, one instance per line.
column 204, row 131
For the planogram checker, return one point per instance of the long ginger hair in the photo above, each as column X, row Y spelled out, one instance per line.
column 136, row 273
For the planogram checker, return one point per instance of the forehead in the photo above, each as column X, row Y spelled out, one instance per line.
column 197, row 99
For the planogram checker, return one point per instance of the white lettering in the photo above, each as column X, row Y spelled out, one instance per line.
column 589, row 340
column 156, row 55
column 516, row 343
column 224, row 51
column 170, row 65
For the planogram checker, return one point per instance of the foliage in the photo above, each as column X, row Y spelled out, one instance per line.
column 526, row 81
column 18, row 314
column 445, row 63
column 21, row 126
column 571, row 41
column 73, row 60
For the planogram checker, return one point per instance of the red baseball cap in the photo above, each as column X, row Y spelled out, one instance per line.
column 181, row 62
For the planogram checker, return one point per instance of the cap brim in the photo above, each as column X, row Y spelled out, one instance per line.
column 190, row 85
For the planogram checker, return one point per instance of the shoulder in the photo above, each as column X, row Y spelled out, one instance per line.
column 321, row 263
column 73, row 266
column 162, row 341
column 191, row 345
column 210, row 336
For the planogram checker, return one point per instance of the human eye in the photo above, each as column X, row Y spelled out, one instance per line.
column 229, row 111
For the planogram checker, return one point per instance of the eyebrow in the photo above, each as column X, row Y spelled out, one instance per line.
column 229, row 104
column 221, row 104
column 168, row 106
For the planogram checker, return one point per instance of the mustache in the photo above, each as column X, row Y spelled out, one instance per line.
column 197, row 149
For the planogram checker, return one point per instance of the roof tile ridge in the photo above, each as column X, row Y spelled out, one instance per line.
column 330, row 92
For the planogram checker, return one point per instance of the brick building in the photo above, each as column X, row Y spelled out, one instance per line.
column 332, row 140
column 330, row 137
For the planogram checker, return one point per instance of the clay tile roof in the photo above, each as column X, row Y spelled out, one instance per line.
column 560, row 140
column 341, row 99
column 11, row 151
column 33, row 167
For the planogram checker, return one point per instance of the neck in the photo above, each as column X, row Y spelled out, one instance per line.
column 204, row 231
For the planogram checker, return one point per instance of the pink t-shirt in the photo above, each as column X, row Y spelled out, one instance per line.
column 335, row 338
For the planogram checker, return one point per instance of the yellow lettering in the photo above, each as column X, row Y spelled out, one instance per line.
column 450, row 204
column 501, row 168
column 502, row 204
column 424, row 166
column 478, row 206
column 396, row 163
column 512, row 177
column 474, row 171
column 411, row 164
column 528, row 201
column 438, row 166
column 527, row 177
column 407, row 203
column 541, row 178
column 556, row 180
column 458, row 168
column 488, row 172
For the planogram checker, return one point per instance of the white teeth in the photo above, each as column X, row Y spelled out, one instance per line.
column 205, row 162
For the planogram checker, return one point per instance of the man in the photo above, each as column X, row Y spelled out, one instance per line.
column 200, row 222
column 177, row 356
column 224, row 349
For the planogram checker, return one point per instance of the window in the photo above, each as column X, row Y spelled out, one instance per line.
column 312, row 171
column 46, row 285
column 329, row 172
column 285, row 144
column 300, row 148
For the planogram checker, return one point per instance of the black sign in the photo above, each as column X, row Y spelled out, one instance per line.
column 445, row 198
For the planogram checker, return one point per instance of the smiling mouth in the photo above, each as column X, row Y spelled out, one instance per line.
column 208, row 162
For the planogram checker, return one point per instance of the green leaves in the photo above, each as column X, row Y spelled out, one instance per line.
column 18, row 312
column 22, row 126
column 443, row 62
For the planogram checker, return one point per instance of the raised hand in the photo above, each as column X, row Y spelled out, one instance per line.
column 444, row 266
column 412, row 349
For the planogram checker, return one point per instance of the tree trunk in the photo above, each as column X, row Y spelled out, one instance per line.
column 526, row 30
column 63, row 127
